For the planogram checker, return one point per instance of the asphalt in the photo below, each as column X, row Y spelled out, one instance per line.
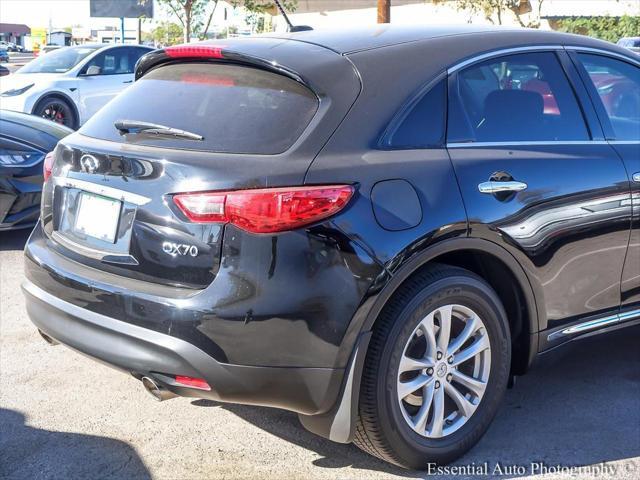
column 64, row 416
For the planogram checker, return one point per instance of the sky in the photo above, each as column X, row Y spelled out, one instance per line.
column 63, row 13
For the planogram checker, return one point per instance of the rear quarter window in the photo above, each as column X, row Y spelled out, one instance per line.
column 237, row 109
column 421, row 123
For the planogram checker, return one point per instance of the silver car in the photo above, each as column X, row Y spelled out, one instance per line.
column 632, row 43
column 70, row 84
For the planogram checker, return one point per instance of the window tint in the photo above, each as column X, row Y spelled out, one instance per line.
column 423, row 123
column 618, row 85
column 524, row 97
column 236, row 109
column 116, row 61
column 58, row 61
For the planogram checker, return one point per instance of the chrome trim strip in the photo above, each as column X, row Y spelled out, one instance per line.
column 522, row 143
column 591, row 324
column 94, row 253
column 629, row 315
column 595, row 324
column 499, row 53
column 624, row 142
column 578, row 48
column 101, row 190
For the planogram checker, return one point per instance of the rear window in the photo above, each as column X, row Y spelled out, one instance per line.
column 236, row 109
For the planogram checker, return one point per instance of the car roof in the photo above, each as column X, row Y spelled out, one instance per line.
column 360, row 38
column 32, row 129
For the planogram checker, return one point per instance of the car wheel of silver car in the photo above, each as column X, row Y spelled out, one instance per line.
column 57, row 110
column 436, row 369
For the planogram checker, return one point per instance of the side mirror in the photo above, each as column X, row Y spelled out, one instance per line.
column 93, row 70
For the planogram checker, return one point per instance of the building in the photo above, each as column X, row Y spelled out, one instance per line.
column 14, row 33
column 59, row 37
column 114, row 35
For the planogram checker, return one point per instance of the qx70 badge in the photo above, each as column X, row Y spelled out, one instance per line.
column 181, row 249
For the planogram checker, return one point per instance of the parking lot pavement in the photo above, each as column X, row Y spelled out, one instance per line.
column 17, row 60
column 65, row 416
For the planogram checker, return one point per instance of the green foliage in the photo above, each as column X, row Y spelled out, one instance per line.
column 265, row 6
column 166, row 33
column 496, row 11
column 194, row 15
column 606, row 28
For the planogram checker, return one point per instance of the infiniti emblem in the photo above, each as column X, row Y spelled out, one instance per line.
column 89, row 163
column 442, row 370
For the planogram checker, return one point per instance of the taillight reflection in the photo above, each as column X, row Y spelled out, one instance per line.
column 47, row 165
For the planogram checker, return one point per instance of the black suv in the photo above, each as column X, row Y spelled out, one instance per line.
column 374, row 228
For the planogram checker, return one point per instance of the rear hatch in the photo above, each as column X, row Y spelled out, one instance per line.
column 245, row 114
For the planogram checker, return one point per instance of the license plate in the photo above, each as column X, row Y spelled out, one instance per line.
column 97, row 217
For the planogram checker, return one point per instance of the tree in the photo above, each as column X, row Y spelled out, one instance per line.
column 606, row 28
column 166, row 33
column 495, row 10
column 266, row 6
column 256, row 9
column 191, row 14
column 384, row 11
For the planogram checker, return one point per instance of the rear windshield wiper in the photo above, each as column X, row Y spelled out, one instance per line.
column 135, row 127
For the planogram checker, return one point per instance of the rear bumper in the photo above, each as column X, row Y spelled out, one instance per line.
column 144, row 352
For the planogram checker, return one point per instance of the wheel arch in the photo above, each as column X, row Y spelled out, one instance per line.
column 62, row 96
column 489, row 261
column 338, row 424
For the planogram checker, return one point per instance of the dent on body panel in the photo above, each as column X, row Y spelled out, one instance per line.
column 429, row 173
column 280, row 290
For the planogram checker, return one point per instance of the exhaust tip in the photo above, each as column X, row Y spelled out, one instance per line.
column 48, row 339
column 158, row 393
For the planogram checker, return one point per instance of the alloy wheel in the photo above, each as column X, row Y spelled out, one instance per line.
column 56, row 112
column 444, row 370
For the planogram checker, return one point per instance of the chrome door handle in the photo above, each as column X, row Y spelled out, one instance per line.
column 497, row 187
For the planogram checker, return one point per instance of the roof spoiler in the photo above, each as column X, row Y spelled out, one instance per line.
column 207, row 52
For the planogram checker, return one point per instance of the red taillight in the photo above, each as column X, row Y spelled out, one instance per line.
column 47, row 166
column 194, row 51
column 265, row 210
column 192, row 382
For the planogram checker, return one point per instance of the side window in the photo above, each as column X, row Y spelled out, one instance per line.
column 523, row 97
column 422, row 124
column 135, row 54
column 618, row 85
column 116, row 61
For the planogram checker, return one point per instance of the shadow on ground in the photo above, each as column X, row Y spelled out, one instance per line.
column 581, row 407
column 28, row 453
column 14, row 239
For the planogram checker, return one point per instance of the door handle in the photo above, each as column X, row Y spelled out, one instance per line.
column 128, row 81
column 493, row 186
column 636, row 177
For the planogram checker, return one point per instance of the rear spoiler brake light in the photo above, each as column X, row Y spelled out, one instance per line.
column 209, row 52
column 194, row 51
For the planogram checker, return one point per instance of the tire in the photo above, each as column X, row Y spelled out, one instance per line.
column 382, row 427
column 57, row 110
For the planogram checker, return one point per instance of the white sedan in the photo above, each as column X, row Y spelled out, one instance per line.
column 70, row 84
